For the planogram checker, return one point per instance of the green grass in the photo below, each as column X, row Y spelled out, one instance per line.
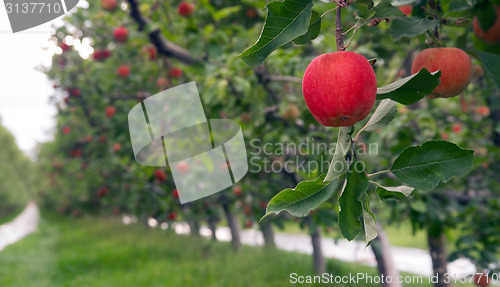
column 103, row 252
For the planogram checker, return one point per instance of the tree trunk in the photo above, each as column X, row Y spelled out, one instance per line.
column 233, row 226
column 267, row 233
column 385, row 264
column 213, row 228
column 194, row 227
column 438, row 256
column 319, row 263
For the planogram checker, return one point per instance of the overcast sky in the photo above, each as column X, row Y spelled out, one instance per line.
column 24, row 92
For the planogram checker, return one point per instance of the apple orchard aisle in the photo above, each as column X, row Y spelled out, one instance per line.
column 412, row 260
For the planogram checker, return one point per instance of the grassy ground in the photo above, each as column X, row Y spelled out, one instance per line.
column 103, row 252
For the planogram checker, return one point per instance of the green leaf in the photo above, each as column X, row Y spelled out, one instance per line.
column 312, row 33
column 491, row 63
column 338, row 165
column 369, row 220
column 383, row 115
column 423, row 167
column 350, row 205
column 306, row 196
column 393, row 192
column 285, row 21
column 458, row 6
column 225, row 12
column 411, row 89
column 385, row 10
column 411, row 26
column 363, row 9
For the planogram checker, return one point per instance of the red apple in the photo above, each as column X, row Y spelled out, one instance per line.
column 65, row 47
column 185, row 9
column 160, row 175
column 175, row 73
column 66, row 130
column 108, row 5
column 117, row 147
column 492, row 35
column 110, row 111
column 457, row 128
column 175, row 193
column 481, row 279
column 102, row 191
column 263, row 204
column 123, row 71
column 406, row 9
column 237, row 190
column 151, row 50
column 248, row 223
column 252, row 13
column 74, row 92
column 162, row 83
column 454, row 64
column 247, row 210
column 172, row 216
column 483, row 111
column 121, row 34
column 339, row 88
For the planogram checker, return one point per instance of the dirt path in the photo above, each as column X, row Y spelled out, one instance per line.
column 24, row 224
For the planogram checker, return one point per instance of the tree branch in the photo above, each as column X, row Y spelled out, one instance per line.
column 164, row 46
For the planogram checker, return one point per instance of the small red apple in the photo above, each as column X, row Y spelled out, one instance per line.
column 183, row 167
column 455, row 66
column 339, row 88
column 102, row 191
column 108, row 5
column 66, row 130
column 185, row 9
column 175, row 73
column 457, row 128
column 74, row 91
column 121, row 34
column 237, row 190
column 65, row 47
column 175, row 193
column 123, row 71
column 481, row 279
column 406, row 9
column 99, row 55
column 160, row 175
column 263, row 204
column 76, row 153
column 492, row 35
column 110, row 111
column 151, row 51
column 483, row 111
column 248, row 223
column 247, row 210
column 172, row 216
column 117, row 147
column 162, row 83
column 252, row 13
